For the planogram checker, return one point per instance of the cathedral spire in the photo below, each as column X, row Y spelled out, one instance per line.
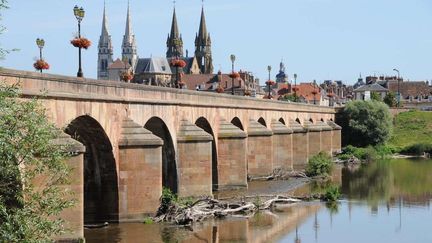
column 203, row 52
column 174, row 41
column 105, row 49
column 129, row 47
column 202, row 33
column 128, row 30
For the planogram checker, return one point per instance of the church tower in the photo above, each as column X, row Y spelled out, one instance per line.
column 174, row 41
column 203, row 52
column 105, row 54
column 129, row 47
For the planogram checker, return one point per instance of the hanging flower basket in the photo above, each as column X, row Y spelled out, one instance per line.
column 220, row 89
column 247, row 93
column 41, row 65
column 314, row 92
column 81, row 43
column 126, row 76
column 178, row 63
column 270, row 82
column 269, row 97
column 295, row 89
column 234, row 75
column 330, row 95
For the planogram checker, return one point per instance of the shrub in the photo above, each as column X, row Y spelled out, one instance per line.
column 28, row 211
column 367, row 123
column 332, row 194
column 390, row 99
column 417, row 149
column 320, row 164
column 166, row 200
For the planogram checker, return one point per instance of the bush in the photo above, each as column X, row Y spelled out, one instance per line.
column 365, row 154
column 29, row 212
column 390, row 99
column 417, row 149
column 166, row 200
column 320, row 164
column 332, row 194
column 367, row 123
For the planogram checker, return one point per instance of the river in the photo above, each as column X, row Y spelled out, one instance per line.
column 385, row 201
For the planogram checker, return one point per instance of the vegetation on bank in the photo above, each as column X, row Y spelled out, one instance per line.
column 32, row 172
column 366, row 123
column 320, row 164
column 413, row 133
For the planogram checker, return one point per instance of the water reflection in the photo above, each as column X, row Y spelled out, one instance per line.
column 386, row 201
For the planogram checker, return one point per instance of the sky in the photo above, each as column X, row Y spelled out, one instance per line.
column 317, row 39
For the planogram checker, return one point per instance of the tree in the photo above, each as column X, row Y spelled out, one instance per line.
column 32, row 171
column 367, row 123
column 287, row 97
column 390, row 99
column 376, row 96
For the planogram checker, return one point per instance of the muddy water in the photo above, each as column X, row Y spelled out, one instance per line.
column 387, row 201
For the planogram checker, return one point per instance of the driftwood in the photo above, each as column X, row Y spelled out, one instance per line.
column 209, row 208
column 280, row 174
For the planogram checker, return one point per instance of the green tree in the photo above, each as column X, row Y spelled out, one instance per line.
column 376, row 96
column 367, row 123
column 32, row 173
column 291, row 98
column 390, row 99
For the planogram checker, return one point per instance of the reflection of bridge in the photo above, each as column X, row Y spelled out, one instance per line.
column 139, row 138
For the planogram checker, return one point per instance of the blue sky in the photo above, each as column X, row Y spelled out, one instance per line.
column 318, row 39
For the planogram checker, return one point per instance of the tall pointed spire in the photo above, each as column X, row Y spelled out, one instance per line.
column 203, row 52
column 202, row 33
column 105, row 54
column 129, row 48
column 128, row 30
column 174, row 27
column 174, row 41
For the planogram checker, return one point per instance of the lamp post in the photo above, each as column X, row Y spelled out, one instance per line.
column 269, row 68
column 40, row 43
column 233, row 58
column 79, row 15
column 295, row 87
column 398, row 79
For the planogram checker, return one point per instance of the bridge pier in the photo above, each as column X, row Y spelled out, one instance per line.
column 232, row 161
column 74, row 216
column 259, row 150
column 282, row 146
column 314, row 134
column 300, row 144
column 194, row 147
column 140, row 172
column 326, row 137
column 336, row 137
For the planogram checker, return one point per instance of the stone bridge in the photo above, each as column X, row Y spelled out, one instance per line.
column 135, row 139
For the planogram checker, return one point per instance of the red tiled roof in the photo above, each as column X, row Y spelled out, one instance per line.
column 410, row 88
column 305, row 90
column 119, row 64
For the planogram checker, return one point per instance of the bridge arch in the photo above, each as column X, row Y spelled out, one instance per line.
column 236, row 122
column 203, row 123
column 299, row 122
column 262, row 121
column 169, row 164
column 100, row 174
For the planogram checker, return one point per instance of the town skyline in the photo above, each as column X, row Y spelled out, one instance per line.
column 251, row 55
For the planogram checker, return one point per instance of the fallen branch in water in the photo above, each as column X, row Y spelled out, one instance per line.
column 208, row 208
column 279, row 174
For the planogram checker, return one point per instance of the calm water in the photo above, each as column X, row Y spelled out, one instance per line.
column 387, row 201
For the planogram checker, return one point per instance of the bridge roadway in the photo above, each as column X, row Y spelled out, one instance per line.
column 131, row 140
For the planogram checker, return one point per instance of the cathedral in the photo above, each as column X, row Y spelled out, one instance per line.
column 153, row 70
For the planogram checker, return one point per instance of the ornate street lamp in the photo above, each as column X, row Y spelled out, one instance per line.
column 79, row 15
column 269, row 82
column 295, row 87
column 233, row 74
column 178, row 63
column 40, row 64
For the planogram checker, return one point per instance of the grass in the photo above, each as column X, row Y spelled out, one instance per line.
column 413, row 127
